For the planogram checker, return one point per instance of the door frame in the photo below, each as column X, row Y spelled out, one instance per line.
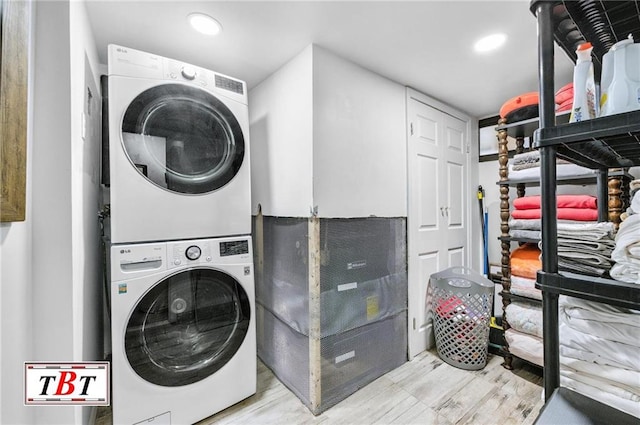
column 473, row 237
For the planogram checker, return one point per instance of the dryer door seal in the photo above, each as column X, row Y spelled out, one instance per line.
column 182, row 139
column 186, row 327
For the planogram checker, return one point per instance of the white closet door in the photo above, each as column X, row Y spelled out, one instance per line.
column 437, row 209
column 457, row 192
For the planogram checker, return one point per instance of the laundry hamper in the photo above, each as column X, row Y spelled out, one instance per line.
column 461, row 304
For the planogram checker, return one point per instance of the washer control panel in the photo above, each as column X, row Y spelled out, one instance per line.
column 189, row 253
column 209, row 251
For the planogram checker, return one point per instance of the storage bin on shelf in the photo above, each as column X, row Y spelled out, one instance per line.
column 461, row 306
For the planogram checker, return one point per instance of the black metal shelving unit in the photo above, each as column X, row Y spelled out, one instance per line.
column 602, row 143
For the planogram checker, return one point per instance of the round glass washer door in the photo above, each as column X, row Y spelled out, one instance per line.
column 187, row 327
column 182, row 139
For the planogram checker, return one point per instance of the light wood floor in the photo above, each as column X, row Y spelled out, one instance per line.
column 423, row 391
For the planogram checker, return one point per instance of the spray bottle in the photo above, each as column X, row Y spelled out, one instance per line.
column 584, row 87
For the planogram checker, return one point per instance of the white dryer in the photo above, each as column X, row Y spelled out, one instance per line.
column 178, row 151
column 183, row 329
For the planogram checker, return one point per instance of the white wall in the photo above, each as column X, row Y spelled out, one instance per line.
column 52, row 309
column 16, row 344
column 50, row 263
column 328, row 133
column 359, row 140
column 86, row 140
column 475, row 243
column 281, row 120
column 487, row 178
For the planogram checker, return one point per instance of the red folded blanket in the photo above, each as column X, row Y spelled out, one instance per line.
column 564, row 201
column 525, row 261
column 577, row 214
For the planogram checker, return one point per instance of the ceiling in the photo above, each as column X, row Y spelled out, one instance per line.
column 426, row 45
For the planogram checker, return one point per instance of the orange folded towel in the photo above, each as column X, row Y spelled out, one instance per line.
column 525, row 261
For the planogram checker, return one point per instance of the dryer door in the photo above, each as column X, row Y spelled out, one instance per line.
column 187, row 327
column 182, row 139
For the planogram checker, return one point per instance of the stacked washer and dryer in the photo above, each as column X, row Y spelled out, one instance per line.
column 180, row 262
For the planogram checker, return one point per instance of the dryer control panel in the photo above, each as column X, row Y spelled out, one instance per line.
column 127, row 62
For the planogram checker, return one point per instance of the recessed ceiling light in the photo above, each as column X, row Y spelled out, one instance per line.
column 490, row 42
column 204, row 24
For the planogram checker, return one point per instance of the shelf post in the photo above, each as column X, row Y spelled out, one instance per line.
column 503, row 159
column 602, row 187
column 544, row 14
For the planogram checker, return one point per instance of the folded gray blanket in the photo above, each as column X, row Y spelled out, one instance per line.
column 591, row 259
column 574, row 267
column 526, row 157
column 564, row 225
column 603, row 246
column 524, row 166
column 530, row 159
column 526, row 234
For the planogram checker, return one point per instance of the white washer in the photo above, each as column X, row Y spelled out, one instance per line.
column 183, row 329
column 178, row 150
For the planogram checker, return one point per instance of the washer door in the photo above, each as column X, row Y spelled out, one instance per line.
column 182, row 139
column 187, row 327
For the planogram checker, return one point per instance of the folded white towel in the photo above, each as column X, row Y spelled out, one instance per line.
column 618, row 352
column 590, row 357
column 627, row 251
column 635, row 203
column 525, row 287
column 626, row 405
column 624, row 328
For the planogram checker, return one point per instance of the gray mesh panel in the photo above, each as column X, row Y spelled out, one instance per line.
column 363, row 303
column 284, row 287
column 284, row 351
column 352, row 359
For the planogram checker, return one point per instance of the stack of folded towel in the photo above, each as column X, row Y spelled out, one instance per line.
column 584, row 246
column 526, row 166
column 525, row 263
column 570, row 207
column 627, row 249
column 524, row 334
column 599, row 346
